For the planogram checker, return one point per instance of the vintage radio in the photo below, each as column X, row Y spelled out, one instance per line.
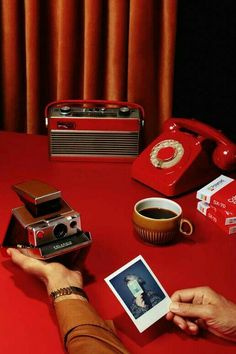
column 94, row 130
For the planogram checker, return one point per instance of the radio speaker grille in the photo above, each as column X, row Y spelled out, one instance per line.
column 80, row 143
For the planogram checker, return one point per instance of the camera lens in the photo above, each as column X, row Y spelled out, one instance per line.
column 60, row 230
column 73, row 224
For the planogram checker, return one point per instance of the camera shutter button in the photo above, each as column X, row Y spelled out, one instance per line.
column 40, row 234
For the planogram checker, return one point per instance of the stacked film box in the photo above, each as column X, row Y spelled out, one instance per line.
column 221, row 193
column 223, row 220
column 217, row 201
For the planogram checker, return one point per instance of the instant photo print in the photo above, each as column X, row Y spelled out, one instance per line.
column 139, row 292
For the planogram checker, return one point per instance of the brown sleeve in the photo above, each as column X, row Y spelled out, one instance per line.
column 83, row 331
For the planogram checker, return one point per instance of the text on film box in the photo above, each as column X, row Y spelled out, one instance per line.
column 221, row 193
column 216, row 217
column 222, row 217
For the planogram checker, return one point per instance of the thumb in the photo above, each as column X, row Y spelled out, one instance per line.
column 14, row 254
column 190, row 310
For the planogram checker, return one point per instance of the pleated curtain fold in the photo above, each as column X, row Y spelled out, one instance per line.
column 91, row 49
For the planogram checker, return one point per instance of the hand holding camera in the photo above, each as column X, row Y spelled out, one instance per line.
column 53, row 274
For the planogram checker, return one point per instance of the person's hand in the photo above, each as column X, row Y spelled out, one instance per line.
column 140, row 301
column 53, row 274
column 202, row 307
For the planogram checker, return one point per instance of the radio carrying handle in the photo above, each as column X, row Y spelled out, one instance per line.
column 99, row 102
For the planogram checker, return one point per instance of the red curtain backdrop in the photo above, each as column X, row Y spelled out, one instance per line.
column 91, row 49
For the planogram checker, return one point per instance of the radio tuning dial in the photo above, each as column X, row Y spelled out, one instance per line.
column 65, row 110
column 124, row 111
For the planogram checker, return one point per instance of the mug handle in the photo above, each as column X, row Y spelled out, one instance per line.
column 186, row 233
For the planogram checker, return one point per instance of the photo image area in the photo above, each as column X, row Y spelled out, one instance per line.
column 137, row 288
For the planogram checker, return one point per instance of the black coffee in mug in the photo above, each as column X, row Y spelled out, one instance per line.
column 157, row 213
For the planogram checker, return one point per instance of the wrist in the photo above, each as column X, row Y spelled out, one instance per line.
column 70, row 292
column 70, row 297
column 57, row 280
column 53, row 284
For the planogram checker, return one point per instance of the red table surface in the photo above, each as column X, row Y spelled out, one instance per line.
column 104, row 194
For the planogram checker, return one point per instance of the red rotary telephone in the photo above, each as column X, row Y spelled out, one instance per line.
column 186, row 155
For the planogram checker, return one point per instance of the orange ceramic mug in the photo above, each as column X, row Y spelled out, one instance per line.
column 160, row 220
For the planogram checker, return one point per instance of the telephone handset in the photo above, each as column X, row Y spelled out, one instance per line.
column 187, row 154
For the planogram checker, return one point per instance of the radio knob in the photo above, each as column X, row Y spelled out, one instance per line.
column 124, row 111
column 65, row 110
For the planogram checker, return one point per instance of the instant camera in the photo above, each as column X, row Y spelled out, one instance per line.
column 45, row 226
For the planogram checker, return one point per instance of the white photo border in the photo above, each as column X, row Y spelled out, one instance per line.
column 153, row 314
